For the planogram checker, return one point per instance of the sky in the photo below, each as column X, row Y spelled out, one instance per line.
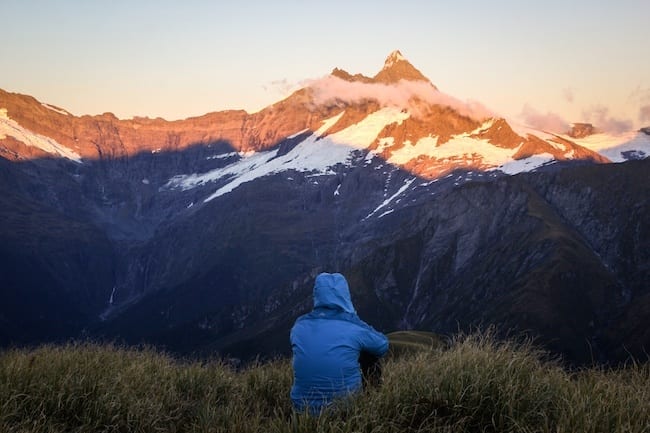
column 541, row 62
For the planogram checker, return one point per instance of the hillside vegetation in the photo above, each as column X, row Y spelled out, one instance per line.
column 472, row 384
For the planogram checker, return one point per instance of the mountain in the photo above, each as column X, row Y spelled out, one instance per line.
column 397, row 68
column 205, row 234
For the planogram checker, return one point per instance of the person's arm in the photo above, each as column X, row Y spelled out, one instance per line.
column 372, row 341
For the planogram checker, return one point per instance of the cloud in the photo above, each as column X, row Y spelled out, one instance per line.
column 644, row 113
column 403, row 94
column 600, row 118
column 568, row 94
column 641, row 96
column 645, row 96
column 282, row 88
column 546, row 122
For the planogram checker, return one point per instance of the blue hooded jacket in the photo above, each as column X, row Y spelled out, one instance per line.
column 326, row 344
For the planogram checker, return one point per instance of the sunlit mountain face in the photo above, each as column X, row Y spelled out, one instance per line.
column 204, row 235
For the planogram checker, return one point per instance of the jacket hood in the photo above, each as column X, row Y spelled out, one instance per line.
column 332, row 291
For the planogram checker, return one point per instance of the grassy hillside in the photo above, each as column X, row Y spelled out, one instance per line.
column 473, row 384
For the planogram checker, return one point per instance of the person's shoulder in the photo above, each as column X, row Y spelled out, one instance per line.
column 354, row 319
column 361, row 325
column 339, row 315
column 305, row 316
column 315, row 315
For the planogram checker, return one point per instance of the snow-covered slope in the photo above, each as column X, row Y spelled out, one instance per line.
column 364, row 143
column 618, row 148
column 11, row 128
column 317, row 154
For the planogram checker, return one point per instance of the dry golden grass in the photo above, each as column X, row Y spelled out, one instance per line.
column 475, row 384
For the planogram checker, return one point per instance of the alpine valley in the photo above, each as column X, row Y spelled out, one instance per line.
column 204, row 235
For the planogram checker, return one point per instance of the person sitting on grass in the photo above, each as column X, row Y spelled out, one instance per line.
column 327, row 344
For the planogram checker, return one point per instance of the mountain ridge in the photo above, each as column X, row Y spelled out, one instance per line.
column 431, row 115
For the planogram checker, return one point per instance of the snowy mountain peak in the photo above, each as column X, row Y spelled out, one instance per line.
column 393, row 58
column 397, row 68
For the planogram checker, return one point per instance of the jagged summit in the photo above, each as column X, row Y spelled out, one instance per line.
column 396, row 68
column 345, row 75
column 394, row 57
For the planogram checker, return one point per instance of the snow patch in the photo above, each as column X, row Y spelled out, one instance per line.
column 618, row 148
column 53, row 108
column 458, row 147
column 11, row 128
column 524, row 131
column 615, row 147
column 383, row 144
column 526, row 164
column 223, row 155
column 239, row 170
column 297, row 134
column 317, row 154
column 393, row 58
column 403, row 188
column 110, row 300
column 484, row 127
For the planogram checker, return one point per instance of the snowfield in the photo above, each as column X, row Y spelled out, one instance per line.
column 320, row 152
column 317, row 154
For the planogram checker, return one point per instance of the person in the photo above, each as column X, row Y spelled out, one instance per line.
column 327, row 344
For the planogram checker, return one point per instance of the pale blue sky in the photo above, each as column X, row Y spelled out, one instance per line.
column 580, row 59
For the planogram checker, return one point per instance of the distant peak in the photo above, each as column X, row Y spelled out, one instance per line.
column 397, row 68
column 394, row 57
column 344, row 75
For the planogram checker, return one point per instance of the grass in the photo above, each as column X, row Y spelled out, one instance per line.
column 473, row 384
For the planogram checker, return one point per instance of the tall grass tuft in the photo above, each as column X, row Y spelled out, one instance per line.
column 476, row 384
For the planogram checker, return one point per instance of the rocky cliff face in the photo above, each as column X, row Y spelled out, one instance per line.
column 106, row 137
column 205, row 234
column 527, row 253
